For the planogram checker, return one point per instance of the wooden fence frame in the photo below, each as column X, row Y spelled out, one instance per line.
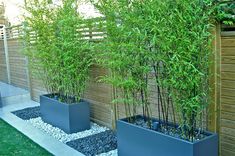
column 215, row 81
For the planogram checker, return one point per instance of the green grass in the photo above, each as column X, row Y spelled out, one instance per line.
column 14, row 143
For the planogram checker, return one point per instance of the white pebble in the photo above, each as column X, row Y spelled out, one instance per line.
column 61, row 135
column 64, row 137
column 110, row 153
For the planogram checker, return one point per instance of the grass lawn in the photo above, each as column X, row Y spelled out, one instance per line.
column 14, row 143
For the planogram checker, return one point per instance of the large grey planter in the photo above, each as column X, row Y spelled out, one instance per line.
column 70, row 118
column 134, row 140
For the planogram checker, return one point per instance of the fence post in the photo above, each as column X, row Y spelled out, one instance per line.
column 6, row 54
column 24, row 26
column 214, row 109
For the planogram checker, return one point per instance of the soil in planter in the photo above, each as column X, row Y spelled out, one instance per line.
column 168, row 129
column 64, row 99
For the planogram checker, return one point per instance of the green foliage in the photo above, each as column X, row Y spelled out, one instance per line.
column 124, row 53
column 226, row 11
column 55, row 47
column 184, row 38
column 169, row 39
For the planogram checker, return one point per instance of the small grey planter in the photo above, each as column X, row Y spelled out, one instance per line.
column 70, row 118
column 134, row 140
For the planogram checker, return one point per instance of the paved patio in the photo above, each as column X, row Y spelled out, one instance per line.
column 8, row 90
column 44, row 140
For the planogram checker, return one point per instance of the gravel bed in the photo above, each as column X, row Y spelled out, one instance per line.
column 61, row 135
column 98, row 140
column 28, row 113
column 95, row 144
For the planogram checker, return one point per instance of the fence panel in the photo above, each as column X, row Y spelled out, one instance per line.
column 3, row 67
column 227, row 118
column 100, row 94
column 18, row 64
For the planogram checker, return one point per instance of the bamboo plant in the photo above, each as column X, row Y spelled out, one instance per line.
column 226, row 11
column 123, row 52
column 56, row 50
column 170, row 40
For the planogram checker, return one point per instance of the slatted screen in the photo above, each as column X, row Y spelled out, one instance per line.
column 17, row 60
column 227, row 114
column 100, row 94
column 3, row 67
column 17, row 64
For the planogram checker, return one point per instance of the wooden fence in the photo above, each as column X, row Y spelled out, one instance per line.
column 3, row 68
column 227, row 102
column 17, row 61
column 222, row 118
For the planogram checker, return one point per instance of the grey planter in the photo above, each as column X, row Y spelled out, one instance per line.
column 134, row 140
column 70, row 118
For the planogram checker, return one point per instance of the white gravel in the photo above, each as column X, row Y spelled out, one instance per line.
column 110, row 153
column 64, row 137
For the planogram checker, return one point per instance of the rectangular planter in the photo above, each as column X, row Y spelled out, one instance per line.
column 134, row 140
column 70, row 118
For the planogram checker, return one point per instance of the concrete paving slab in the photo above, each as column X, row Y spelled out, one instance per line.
column 9, row 90
column 44, row 140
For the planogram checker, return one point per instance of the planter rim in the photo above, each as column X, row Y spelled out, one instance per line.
column 77, row 103
column 210, row 134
